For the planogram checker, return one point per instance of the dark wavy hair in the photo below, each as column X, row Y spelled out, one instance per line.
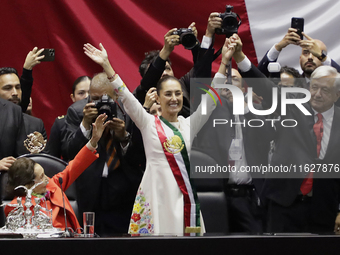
column 290, row 70
column 150, row 57
column 299, row 82
column 8, row 70
column 20, row 173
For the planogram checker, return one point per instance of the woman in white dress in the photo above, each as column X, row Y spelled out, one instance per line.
column 165, row 202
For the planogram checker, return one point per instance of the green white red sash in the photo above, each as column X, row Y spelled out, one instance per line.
column 178, row 159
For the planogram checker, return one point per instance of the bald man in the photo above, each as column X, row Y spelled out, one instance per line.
column 106, row 188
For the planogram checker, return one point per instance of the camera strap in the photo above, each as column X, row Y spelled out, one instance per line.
column 120, row 108
column 217, row 53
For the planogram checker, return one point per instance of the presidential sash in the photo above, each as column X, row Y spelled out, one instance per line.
column 176, row 153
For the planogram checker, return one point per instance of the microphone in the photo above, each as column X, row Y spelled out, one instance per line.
column 67, row 233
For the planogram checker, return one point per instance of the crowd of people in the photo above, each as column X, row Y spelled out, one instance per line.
column 129, row 152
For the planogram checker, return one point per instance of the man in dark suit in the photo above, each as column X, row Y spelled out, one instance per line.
column 313, row 55
column 239, row 146
column 107, row 190
column 245, row 211
column 12, row 133
column 12, row 136
column 302, row 202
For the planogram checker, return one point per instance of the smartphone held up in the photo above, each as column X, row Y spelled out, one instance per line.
column 298, row 24
column 49, row 55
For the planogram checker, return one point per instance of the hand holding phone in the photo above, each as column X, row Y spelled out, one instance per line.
column 298, row 24
column 49, row 54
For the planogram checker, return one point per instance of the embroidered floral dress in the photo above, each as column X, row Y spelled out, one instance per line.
column 159, row 206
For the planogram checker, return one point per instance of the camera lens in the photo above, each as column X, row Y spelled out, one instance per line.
column 188, row 40
column 230, row 23
column 105, row 109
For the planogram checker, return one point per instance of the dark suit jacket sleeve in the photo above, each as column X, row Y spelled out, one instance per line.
column 154, row 73
column 266, row 133
column 335, row 65
column 195, row 52
column 26, row 81
column 257, row 145
column 261, row 87
column 20, row 148
column 12, row 130
column 12, row 135
column 150, row 79
column 43, row 132
column 74, row 137
column 54, row 141
column 42, row 129
column 201, row 69
column 263, row 65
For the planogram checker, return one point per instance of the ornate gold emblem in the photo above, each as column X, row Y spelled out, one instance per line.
column 174, row 144
column 35, row 142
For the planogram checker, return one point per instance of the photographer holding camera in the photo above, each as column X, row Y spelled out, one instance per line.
column 107, row 187
column 157, row 64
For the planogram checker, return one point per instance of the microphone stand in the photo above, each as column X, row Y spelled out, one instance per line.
column 67, row 233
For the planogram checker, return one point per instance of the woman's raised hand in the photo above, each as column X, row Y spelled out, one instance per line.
column 98, row 56
column 98, row 128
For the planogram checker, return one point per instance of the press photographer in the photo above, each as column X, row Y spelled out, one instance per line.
column 186, row 37
column 230, row 22
column 106, row 105
column 108, row 186
column 103, row 101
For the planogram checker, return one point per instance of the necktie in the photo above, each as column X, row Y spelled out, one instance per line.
column 307, row 183
column 112, row 159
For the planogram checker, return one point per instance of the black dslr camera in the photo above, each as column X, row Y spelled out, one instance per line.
column 186, row 37
column 106, row 105
column 230, row 22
